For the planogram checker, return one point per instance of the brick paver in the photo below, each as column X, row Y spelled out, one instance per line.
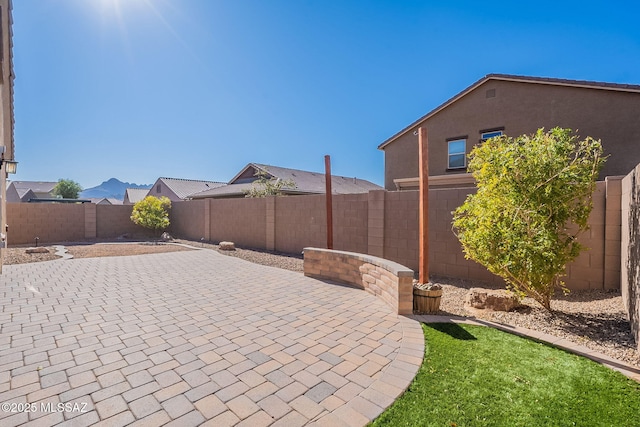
column 196, row 337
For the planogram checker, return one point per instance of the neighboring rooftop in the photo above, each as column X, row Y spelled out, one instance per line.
column 184, row 188
column 306, row 182
column 134, row 195
column 23, row 191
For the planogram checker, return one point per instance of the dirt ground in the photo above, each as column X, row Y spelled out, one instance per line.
column 20, row 255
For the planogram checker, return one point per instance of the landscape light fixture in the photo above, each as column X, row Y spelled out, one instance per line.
column 10, row 165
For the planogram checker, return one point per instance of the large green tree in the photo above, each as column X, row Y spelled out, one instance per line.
column 152, row 213
column 67, row 189
column 534, row 198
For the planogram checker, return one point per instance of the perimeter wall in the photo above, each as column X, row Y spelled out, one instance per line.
column 380, row 223
column 385, row 224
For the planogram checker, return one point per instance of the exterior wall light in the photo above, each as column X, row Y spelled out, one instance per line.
column 10, row 166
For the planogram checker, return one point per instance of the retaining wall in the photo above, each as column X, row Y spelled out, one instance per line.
column 388, row 280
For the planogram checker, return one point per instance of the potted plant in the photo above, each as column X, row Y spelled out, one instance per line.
column 426, row 298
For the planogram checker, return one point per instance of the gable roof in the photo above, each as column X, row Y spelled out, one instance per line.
column 31, row 188
column 36, row 186
column 183, row 188
column 586, row 84
column 134, row 195
column 306, row 182
column 105, row 201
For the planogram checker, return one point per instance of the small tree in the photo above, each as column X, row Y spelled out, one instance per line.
column 534, row 198
column 266, row 186
column 152, row 212
column 67, row 189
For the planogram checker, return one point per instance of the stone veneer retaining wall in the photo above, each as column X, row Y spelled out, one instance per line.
column 383, row 278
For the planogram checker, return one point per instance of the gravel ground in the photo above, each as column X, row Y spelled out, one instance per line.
column 595, row 319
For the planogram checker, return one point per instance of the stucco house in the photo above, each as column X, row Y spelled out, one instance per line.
column 7, row 141
column 180, row 189
column 25, row 191
column 515, row 105
column 305, row 182
column 134, row 195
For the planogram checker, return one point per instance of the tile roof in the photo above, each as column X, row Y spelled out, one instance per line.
column 587, row 84
column 306, row 182
column 183, row 188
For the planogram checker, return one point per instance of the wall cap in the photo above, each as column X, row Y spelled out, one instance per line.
column 391, row 266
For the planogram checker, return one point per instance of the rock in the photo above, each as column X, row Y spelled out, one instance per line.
column 166, row 237
column 37, row 251
column 227, row 246
column 492, row 299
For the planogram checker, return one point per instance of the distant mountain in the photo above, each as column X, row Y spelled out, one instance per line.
column 113, row 188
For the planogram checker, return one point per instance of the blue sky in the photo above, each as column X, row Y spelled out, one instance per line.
column 137, row 89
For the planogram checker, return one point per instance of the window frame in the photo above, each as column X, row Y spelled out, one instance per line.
column 484, row 132
column 462, row 139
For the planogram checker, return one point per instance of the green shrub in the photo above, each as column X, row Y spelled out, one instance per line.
column 152, row 212
column 534, row 198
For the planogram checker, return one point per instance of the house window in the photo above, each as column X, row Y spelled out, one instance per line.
column 158, row 190
column 490, row 133
column 457, row 154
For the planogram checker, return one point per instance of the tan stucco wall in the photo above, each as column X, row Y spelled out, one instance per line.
column 522, row 108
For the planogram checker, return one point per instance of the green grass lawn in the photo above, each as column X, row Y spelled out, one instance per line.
column 479, row 376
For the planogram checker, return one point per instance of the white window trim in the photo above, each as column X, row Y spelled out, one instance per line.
column 449, row 154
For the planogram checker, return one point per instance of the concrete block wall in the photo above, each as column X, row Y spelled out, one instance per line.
column 383, row 224
column 446, row 257
column 385, row 279
column 587, row 271
column 350, row 222
column 189, row 219
column 612, row 232
column 242, row 221
column 50, row 222
column 300, row 221
column 113, row 221
column 630, row 249
column 401, row 228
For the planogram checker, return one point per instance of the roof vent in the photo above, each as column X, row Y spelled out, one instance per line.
column 491, row 93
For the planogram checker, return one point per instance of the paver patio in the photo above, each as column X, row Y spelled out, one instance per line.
column 191, row 338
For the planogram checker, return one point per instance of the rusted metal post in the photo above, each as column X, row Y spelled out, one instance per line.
column 423, row 143
column 329, row 199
